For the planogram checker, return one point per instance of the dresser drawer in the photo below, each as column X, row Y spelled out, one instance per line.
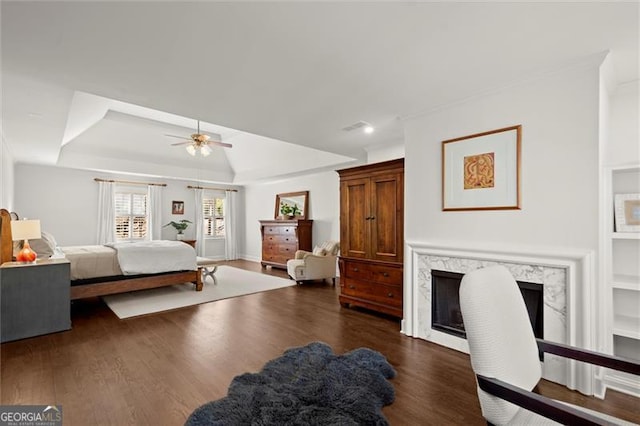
column 288, row 239
column 272, row 230
column 370, row 272
column 288, row 230
column 359, row 271
column 269, row 249
column 287, row 250
column 274, row 258
column 386, row 274
column 279, row 239
column 271, row 239
column 381, row 293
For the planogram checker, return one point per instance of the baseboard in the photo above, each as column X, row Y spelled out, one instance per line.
column 623, row 382
column 249, row 258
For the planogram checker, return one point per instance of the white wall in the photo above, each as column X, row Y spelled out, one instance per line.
column 559, row 118
column 624, row 138
column 66, row 202
column 379, row 153
column 324, row 208
column 7, row 176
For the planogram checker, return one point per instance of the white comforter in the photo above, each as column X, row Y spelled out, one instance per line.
column 152, row 257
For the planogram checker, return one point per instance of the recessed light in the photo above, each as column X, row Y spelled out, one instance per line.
column 369, row 129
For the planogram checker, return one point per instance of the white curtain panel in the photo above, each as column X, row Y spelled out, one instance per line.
column 106, row 212
column 230, row 225
column 199, row 223
column 154, row 200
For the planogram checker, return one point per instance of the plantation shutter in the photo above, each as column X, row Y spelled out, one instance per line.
column 208, row 207
column 123, row 207
column 131, row 216
column 213, row 212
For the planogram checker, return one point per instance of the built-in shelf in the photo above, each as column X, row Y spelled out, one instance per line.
column 626, row 282
column 627, row 348
column 625, row 235
column 626, row 326
column 620, row 251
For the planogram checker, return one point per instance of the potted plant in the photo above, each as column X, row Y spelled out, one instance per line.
column 180, row 227
column 286, row 210
column 289, row 211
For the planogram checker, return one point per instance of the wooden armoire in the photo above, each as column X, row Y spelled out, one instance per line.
column 372, row 236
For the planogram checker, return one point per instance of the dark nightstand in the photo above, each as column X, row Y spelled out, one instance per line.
column 34, row 298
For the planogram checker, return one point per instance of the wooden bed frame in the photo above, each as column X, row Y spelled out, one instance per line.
column 110, row 285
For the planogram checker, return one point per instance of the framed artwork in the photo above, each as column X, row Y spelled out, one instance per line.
column 177, row 207
column 482, row 171
column 627, row 212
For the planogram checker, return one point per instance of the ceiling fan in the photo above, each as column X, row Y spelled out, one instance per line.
column 199, row 142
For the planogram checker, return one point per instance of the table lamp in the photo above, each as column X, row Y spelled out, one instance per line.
column 23, row 230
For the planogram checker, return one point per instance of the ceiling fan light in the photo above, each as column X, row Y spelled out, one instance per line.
column 205, row 150
column 191, row 150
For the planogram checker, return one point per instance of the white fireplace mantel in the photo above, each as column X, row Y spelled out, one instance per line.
column 576, row 268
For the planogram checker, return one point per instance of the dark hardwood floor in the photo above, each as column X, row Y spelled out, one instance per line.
column 158, row 368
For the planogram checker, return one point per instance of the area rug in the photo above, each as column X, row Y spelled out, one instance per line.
column 230, row 282
column 308, row 385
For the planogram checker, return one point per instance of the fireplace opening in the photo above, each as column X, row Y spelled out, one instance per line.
column 445, row 303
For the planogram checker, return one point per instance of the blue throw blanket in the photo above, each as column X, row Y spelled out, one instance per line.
column 309, row 385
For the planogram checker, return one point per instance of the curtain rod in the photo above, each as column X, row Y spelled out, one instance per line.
column 130, row 182
column 211, row 188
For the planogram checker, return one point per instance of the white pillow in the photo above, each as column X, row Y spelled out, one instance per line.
column 44, row 246
column 319, row 251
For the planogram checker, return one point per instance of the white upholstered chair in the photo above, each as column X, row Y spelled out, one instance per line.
column 504, row 355
column 316, row 265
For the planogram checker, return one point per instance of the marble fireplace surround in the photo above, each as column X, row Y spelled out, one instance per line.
column 567, row 278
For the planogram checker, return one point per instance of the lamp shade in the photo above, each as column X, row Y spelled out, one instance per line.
column 25, row 229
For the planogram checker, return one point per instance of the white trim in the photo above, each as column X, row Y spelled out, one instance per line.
column 622, row 382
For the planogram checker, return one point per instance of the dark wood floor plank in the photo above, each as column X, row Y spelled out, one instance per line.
column 156, row 369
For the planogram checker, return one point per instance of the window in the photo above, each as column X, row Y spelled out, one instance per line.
column 131, row 216
column 213, row 213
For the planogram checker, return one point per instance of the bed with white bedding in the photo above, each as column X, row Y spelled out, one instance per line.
column 120, row 267
column 129, row 258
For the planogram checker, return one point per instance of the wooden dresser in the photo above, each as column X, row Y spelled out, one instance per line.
column 372, row 236
column 282, row 238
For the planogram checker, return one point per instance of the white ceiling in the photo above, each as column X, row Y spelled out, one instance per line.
column 96, row 85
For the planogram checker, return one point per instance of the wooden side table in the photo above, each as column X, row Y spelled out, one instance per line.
column 34, row 298
column 192, row 243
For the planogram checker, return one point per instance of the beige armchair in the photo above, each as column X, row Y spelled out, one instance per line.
column 316, row 265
